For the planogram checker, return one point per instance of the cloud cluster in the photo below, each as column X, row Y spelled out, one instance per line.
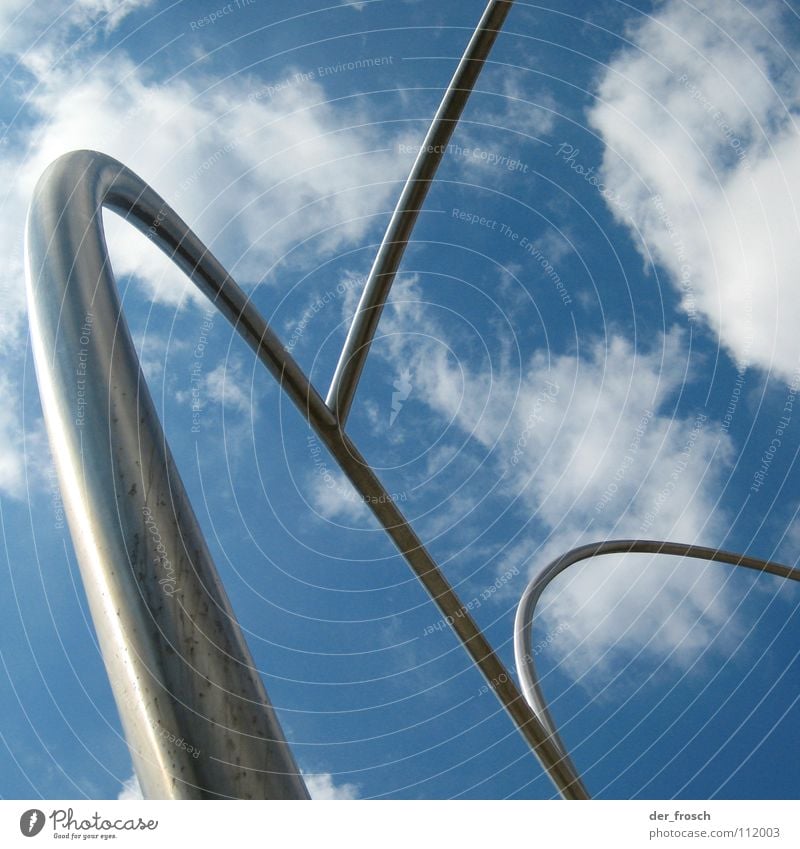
column 322, row 786
column 589, row 448
column 699, row 121
column 268, row 172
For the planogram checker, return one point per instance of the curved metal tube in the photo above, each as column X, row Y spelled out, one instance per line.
column 193, row 706
column 149, row 577
column 381, row 276
column 523, row 624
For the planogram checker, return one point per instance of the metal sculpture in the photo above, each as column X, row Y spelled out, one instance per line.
column 179, row 667
column 523, row 624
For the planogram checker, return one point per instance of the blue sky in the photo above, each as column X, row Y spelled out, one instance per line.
column 593, row 335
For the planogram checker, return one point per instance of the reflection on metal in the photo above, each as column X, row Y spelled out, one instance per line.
column 175, row 656
column 381, row 276
column 193, row 705
column 523, row 625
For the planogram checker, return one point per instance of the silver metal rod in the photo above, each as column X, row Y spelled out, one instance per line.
column 381, row 276
column 119, row 545
column 555, row 763
column 523, row 625
column 193, row 706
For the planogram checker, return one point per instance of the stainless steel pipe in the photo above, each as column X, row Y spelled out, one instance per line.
column 149, row 577
column 390, row 253
column 523, row 624
column 193, row 706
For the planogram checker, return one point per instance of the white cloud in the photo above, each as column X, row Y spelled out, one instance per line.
column 227, row 385
column 589, row 448
column 12, row 459
column 268, row 172
column 529, row 113
column 257, row 168
column 25, row 25
column 331, row 493
column 699, row 123
column 322, row 786
column 131, row 789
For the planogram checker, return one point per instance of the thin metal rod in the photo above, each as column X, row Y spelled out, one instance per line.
column 523, row 624
column 381, row 276
column 555, row 763
column 69, row 277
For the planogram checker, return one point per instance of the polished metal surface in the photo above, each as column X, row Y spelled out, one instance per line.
column 523, row 624
column 175, row 656
column 193, row 705
column 387, row 261
column 168, row 678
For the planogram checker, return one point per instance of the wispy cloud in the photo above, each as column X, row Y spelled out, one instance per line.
column 29, row 29
column 588, row 447
column 267, row 171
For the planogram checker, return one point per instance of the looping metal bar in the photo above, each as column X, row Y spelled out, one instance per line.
column 193, row 706
column 128, row 546
column 523, row 625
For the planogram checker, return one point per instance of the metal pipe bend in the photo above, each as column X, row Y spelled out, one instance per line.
column 126, row 538
column 523, row 623
column 193, row 706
